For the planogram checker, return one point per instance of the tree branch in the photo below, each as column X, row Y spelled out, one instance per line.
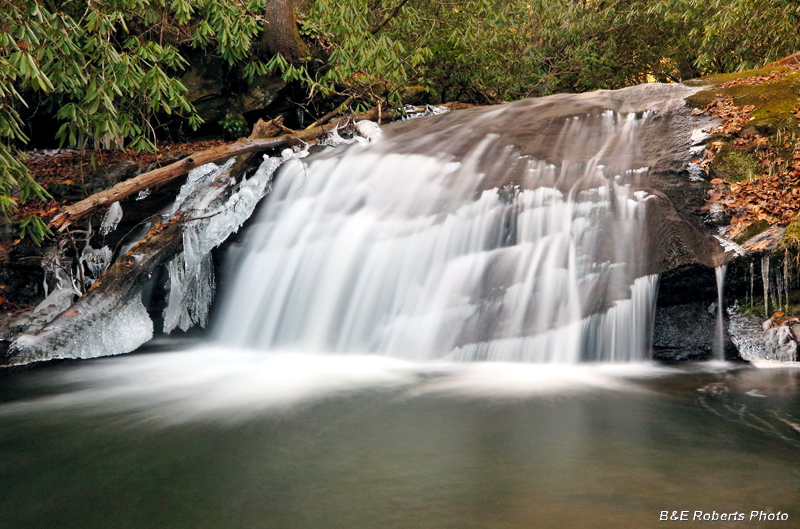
column 395, row 11
column 162, row 175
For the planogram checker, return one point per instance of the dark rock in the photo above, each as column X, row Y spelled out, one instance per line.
column 215, row 90
column 688, row 332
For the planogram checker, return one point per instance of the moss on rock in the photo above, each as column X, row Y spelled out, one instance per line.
column 756, row 228
column 791, row 235
column 774, row 101
column 735, row 165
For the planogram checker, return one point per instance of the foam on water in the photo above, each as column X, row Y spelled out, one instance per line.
column 226, row 384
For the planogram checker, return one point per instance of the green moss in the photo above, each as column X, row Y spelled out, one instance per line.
column 725, row 77
column 735, row 165
column 791, row 235
column 774, row 101
column 756, row 228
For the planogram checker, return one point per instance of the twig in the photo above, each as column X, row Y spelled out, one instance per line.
column 390, row 16
column 332, row 113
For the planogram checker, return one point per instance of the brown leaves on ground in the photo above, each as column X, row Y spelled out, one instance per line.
column 761, row 79
column 67, row 167
column 733, row 118
column 52, row 168
column 756, row 79
column 773, row 196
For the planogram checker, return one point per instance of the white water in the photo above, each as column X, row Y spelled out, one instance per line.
column 233, row 385
column 372, row 251
column 719, row 344
column 765, row 282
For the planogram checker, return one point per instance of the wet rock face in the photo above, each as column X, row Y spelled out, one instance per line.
column 688, row 332
column 569, row 128
column 685, row 325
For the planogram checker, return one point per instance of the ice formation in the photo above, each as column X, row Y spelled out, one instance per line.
column 105, row 333
column 96, row 260
column 369, row 130
column 413, row 112
column 192, row 272
column 55, row 303
column 200, row 177
column 112, row 218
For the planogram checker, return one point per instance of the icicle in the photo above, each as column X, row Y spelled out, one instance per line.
column 774, row 294
column 765, row 282
column 112, row 218
column 719, row 346
column 192, row 272
column 779, row 291
column 752, row 281
column 786, row 283
column 96, row 260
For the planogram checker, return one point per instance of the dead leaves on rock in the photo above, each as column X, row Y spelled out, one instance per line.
column 733, row 118
column 773, row 196
column 68, row 167
column 756, row 79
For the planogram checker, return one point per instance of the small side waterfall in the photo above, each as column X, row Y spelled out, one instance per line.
column 719, row 344
column 765, row 282
column 451, row 243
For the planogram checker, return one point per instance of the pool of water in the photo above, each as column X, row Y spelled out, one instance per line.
column 229, row 439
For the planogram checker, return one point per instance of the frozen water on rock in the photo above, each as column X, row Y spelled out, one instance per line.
column 699, row 136
column 334, row 139
column 200, row 177
column 767, row 340
column 111, row 219
column 190, row 295
column 369, row 130
column 414, row 112
column 730, row 246
column 696, row 173
column 111, row 333
column 55, row 303
column 366, row 131
column 191, row 273
column 97, row 260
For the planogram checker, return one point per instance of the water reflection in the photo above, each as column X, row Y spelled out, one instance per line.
column 413, row 446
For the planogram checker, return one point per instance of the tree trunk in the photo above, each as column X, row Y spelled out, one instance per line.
column 80, row 210
column 280, row 31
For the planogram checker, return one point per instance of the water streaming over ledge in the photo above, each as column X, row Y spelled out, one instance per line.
column 471, row 251
column 719, row 343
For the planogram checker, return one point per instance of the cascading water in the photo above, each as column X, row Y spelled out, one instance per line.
column 719, row 344
column 453, row 243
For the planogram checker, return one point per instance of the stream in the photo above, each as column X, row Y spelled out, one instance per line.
column 213, row 438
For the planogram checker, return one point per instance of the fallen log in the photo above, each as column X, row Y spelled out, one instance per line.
column 110, row 313
column 110, row 318
column 80, row 210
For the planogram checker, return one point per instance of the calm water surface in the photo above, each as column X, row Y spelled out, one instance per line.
column 221, row 439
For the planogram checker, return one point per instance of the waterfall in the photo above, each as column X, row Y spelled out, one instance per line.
column 449, row 241
column 719, row 344
column 765, row 282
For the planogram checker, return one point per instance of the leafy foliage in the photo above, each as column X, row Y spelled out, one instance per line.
column 233, row 124
column 491, row 50
column 109, row 69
